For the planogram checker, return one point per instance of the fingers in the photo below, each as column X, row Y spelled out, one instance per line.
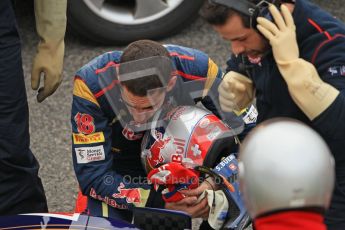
column 233, row 91
column 265, row 32
column 51, row 82
column 189, row 200
column 48, row 89
column 192, row 192
column 227, row 104
column 278, row 19
column 42, row 94
column 183, row 204
column 287, row 16
column 199, row 209
column 224, row 89
column 197, row 191
column 190, row 206
column 282, row 20
column 35, row 77
column 226, row 96
column 236, row 87
column 267, row 28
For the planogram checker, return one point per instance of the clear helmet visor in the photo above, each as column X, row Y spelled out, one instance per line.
column 136, row 110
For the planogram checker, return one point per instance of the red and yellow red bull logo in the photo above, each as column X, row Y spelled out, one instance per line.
column 132, row 195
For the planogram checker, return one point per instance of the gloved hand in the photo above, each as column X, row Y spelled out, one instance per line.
column 175, row 177
column 51, row 27
column 225, row 175
column 219, row 207
column 310, row 93
column 282, row 34
column 236, row 92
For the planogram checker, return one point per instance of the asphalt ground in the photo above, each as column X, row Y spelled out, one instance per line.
column 50, row 121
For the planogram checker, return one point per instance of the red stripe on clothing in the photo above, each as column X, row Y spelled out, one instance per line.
column 182, row 56
column 109, row 87
column 319, row 29
column 322, row 44
column 191, row 77
column 112, row 84
column 315, row 25
column 109, row 64
column 328, row 35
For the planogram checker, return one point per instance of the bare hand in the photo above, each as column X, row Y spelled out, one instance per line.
column 190, row 206
column 197, row 191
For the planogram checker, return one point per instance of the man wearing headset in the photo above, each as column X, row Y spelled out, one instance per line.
column 290, row 55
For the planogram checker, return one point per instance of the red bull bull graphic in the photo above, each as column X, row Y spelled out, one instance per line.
column 132, row 195
column 154, row 155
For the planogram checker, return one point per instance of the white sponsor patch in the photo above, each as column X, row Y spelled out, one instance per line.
column 337, row 71
column 342, row 70
column 251, row 115
column 90, row 154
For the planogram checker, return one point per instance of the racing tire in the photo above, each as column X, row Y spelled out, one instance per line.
column 85, row 20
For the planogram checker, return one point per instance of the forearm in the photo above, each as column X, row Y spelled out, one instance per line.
column 51, row 20
column 335, row 112
column 310, row 93
column 114, row 189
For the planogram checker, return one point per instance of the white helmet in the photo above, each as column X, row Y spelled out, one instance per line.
column 188, row 135
column 284, row 164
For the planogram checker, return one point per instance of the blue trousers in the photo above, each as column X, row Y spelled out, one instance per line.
column 21, row 190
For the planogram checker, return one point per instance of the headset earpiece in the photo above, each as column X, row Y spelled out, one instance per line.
column 251, row 9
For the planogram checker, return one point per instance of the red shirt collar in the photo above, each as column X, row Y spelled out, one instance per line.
column 297, row 220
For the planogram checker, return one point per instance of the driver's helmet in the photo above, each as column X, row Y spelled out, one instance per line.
column 200, row 141
column 188, row 135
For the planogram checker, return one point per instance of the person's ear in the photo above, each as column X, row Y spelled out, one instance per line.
column 171, row 83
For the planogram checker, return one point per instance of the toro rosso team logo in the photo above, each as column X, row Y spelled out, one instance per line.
column 132, row 195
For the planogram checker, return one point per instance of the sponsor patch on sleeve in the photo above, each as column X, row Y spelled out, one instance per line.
column 89, row 154
column 79, row 138
column 250, row 115
column 337, row 71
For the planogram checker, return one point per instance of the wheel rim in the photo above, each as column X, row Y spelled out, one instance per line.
column 132, row 12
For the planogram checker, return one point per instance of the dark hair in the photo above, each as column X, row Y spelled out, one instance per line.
column 217, row 14
column 139, row 50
